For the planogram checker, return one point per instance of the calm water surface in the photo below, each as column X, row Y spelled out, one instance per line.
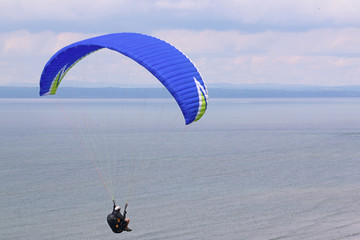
column 250, row 169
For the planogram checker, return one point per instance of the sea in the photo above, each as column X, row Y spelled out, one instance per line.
column 251, row 169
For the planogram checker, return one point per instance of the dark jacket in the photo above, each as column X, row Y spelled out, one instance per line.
column 116, row 221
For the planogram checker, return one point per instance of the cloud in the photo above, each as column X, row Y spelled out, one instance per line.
column 24, row 43
column 319, row 57
column 239, row 41
column 23, row 54
column 59, row 10
column 315, row 42
column 149, row 15
column 188, row 5
column 280, row 14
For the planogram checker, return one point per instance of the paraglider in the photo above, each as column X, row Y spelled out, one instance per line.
column 117, row 221
column 170, row 66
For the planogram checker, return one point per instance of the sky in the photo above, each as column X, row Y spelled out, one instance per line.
column 309, row 42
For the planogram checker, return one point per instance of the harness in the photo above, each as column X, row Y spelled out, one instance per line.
column 116, row 224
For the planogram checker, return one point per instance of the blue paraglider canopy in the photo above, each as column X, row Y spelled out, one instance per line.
column 170, row 66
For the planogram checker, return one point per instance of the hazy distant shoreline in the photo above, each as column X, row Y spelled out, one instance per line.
column 238, row 91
